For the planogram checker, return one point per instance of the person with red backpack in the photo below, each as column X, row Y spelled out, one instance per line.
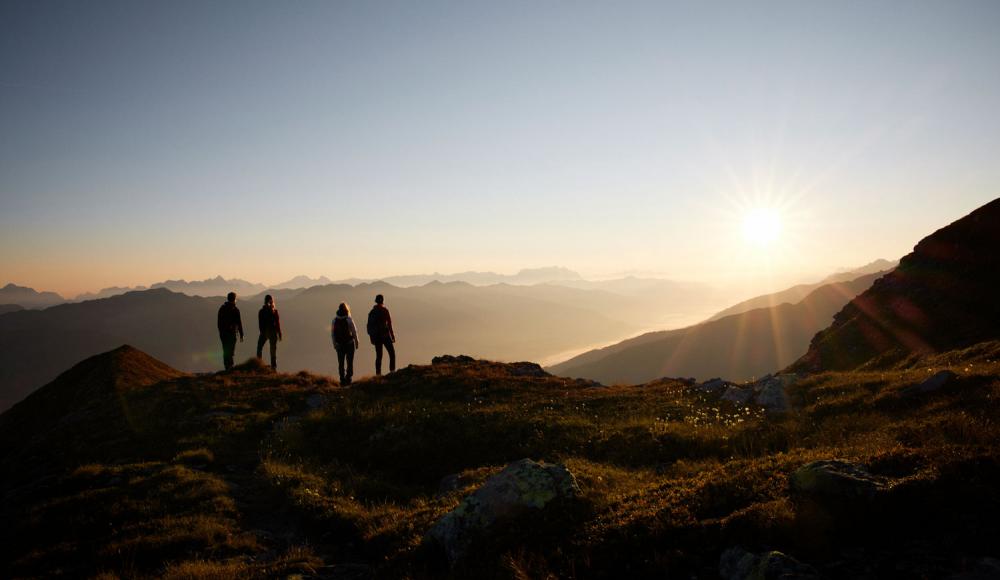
column 381, row 333
column 345, row 340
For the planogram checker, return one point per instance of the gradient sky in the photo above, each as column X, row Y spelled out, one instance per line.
column 141, row 141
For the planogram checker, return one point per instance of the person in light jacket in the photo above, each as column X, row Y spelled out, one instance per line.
column 345, row 340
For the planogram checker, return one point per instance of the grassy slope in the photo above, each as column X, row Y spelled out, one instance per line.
column 236, row 474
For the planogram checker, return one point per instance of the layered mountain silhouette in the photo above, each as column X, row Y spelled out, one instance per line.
column 738, row 347
column 28, row 297
column 5, row 308
column 503, row 322
column 800, row 291
column 943, row 295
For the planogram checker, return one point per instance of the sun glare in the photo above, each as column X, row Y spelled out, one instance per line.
column 762, row 226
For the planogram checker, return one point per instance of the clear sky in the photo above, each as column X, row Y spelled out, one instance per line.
column 141, row 141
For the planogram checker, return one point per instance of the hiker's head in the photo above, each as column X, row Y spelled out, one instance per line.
column 379, row 299
column 231, row 297
column 343, row 309
column 268, row 301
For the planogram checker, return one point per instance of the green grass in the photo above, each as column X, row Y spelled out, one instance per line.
column 235, row 474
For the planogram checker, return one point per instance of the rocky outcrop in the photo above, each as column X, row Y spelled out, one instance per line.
column 523, row 487
column 739, row 564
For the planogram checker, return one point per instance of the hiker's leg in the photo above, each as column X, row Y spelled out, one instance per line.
column 228, row 350
column 340, row 364
column 273, row 339
column 378, row 358
column 350, row 363
column 260, row 345
column 392, row 354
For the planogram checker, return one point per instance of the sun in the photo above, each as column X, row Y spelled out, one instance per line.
column 762, row 226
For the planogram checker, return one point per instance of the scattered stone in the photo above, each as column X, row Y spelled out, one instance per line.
column 739, row 564
column 315, row 401
column 448, row 359
column 522, row 487
column 714, row 385
column 527, row 369
column 770, row 392
column 939, row 380
column 738, row 395
column 983, row 569
column 834, row 481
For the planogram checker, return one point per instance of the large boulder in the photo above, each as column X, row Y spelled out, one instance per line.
column 523, row 487
column 770, row 392
column 738, row 395
column 739, row 564
column 835, row 482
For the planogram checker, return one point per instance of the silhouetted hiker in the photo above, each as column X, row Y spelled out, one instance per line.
column 380, row 331
column 229, row 324
column 345, row 340
column 270, row 329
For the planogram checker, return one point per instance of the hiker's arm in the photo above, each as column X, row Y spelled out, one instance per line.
column 354, row 334
column 388, row 322
column 239, row 323
column 277, row 324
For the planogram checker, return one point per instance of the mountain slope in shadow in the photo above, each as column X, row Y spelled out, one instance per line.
column 943, row 295
column 738, row 347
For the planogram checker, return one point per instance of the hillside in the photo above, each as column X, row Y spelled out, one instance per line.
column 5, row 308
column 942, row 296
column 259, row 474
column 798, row 292
column 737, row 347
column 503, row 322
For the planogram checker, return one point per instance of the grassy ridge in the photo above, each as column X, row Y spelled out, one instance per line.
column 262, row 474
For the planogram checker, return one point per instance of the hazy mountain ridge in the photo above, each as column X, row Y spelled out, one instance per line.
column 739, row 347
column 504, row 322
column 28, row 297
column 800, row 291
column 942, row 296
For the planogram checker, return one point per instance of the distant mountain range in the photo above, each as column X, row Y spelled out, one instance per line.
column 500, row 322
column 942, row 296
column 28, row 297
column 738, row 347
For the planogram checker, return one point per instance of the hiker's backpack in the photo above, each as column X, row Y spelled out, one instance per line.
column 376, row 323
column 341, row 331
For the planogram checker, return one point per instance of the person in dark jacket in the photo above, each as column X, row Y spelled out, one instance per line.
column 270, row 329
column 381, row 334
column 229, row 323
column 345, row 340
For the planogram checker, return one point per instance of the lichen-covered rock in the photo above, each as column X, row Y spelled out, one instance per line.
column 834, row 481
column 522, row 487
column 936, row 382
column 739, row 564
